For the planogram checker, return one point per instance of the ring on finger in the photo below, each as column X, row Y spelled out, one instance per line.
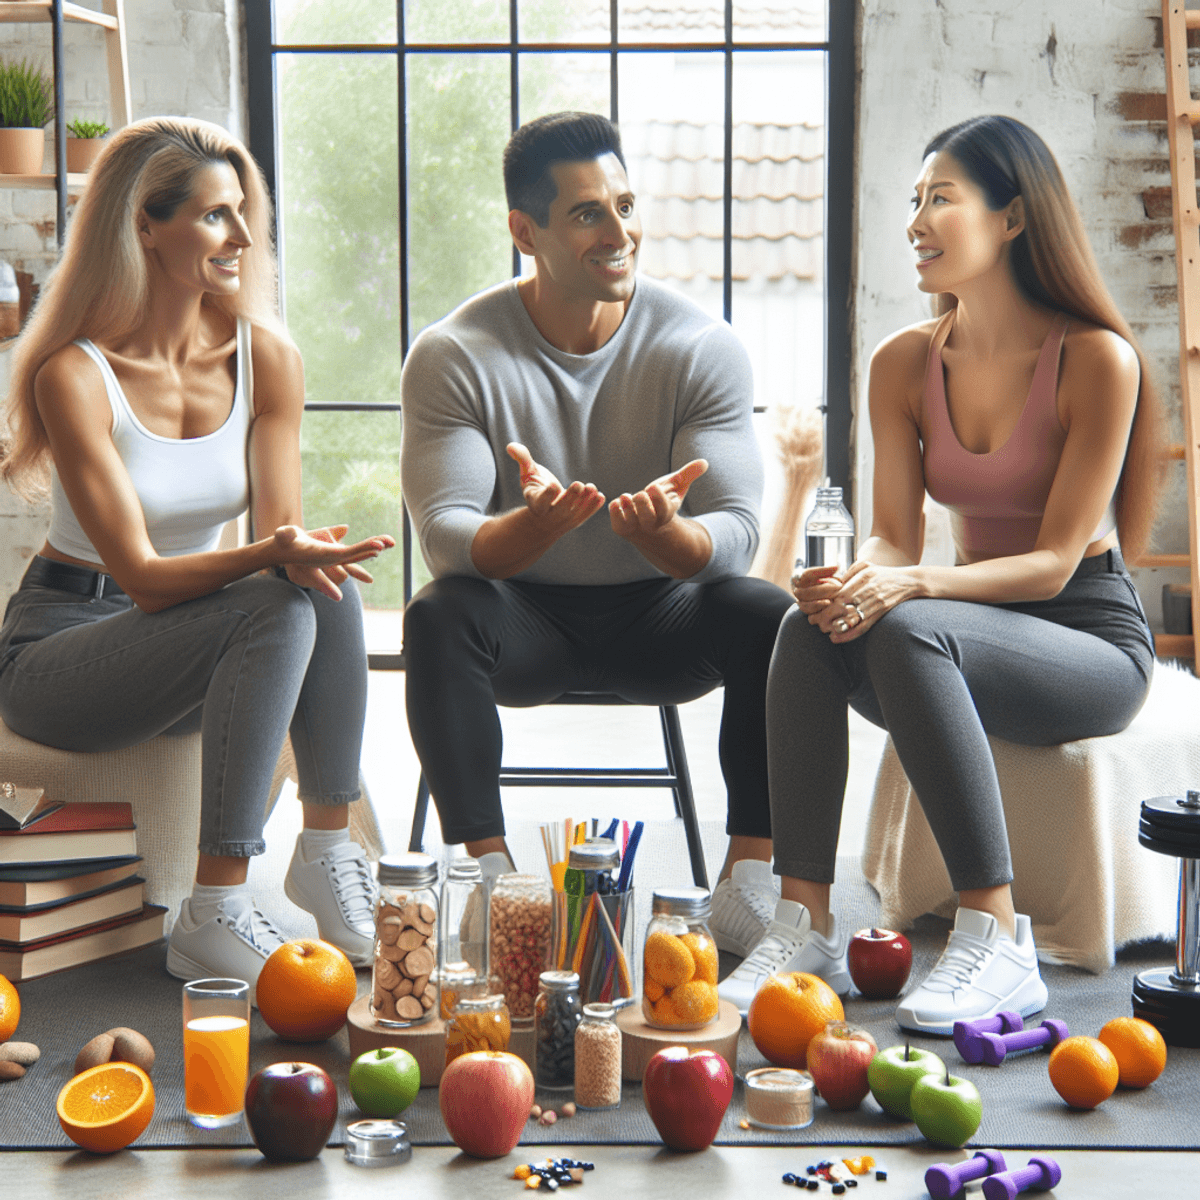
column 841, row 626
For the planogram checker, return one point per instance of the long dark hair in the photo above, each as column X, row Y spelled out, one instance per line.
column 1054, row 266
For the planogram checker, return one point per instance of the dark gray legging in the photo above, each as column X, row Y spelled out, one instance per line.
column 939, row 675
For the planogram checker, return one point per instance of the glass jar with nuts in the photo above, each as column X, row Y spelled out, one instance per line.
column 519, row 939
column 403, row 985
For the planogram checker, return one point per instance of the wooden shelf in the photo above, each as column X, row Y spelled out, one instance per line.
column 36, row 182
column 39, row 10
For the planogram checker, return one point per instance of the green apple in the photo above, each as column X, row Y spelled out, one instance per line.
column 947, row 1109
column 384, row 1082
column 893, row 1072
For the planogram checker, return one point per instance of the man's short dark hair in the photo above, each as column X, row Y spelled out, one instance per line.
column 539, row 144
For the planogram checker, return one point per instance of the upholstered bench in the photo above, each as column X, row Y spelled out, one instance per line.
column 1072, row 813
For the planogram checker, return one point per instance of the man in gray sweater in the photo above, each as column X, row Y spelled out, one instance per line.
column 580, row 468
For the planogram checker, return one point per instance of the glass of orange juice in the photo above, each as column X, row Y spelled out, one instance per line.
column 216, row 1050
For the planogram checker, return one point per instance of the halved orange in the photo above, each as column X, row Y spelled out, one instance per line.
column 10, row 1009
column 105, row 1108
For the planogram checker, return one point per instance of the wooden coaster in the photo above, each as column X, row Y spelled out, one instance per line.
column 641, row 1042
column 426, row 1043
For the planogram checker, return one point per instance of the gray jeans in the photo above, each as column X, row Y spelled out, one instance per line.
column 244, row 665
column 940, row 675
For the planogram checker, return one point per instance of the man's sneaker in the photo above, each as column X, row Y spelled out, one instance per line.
column 232, row 945
column 338, row 889
column 789, row 945
column 743, row 906
column 981, row 972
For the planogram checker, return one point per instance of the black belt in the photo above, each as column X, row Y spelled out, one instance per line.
column 67, row 577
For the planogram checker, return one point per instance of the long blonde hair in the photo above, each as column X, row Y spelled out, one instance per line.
column 1054, row 266
column 99, row 288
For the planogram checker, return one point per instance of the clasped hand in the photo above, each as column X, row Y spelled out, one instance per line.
column 846, row 606
column 317, row 559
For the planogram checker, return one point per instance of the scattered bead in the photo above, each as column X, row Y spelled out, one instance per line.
column 813, row 1185
column 880, row 1174
column 810, row 1170
column 522, row 1172
column 534, row 1181
column 743, row 1124
column 852, row 1183
column 838, row 1189
column 789, row 1178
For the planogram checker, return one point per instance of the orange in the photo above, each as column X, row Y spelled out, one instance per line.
column 1139, row 1049
column 1084, row 1071
column 107, row 1107
column 787, row 1012
column 704, row 953
column 695, row 1002
column 668, row 961
column 305, row 989
column 10, row 1009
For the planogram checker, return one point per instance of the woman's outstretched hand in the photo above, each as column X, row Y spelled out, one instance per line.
column 317, row 559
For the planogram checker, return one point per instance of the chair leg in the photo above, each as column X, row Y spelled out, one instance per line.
column 416, row 839
column 685, row 804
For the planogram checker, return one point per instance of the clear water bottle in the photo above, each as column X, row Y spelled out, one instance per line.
column 829, row 532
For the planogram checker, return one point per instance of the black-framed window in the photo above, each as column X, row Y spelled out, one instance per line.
column 379, row 124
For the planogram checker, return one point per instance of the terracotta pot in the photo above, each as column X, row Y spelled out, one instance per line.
column 21, row 151
column 81, row 153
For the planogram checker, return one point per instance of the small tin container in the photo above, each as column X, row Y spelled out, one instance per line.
column 779, row 1098
column 377, row 1143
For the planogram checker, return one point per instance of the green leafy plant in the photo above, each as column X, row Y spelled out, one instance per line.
column 26, row 96
column 86, row 129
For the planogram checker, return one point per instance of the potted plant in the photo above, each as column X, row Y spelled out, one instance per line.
column 26, row 106
column 84, row 144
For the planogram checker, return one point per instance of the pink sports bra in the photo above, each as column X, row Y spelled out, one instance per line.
column 997, row 500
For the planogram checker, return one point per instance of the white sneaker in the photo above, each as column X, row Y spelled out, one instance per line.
column 339, row 890
column 232, row 945
column 789, row 945
column 743, row 906
column 981, row 972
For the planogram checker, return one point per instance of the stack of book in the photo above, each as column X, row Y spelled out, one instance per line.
column 69, row 888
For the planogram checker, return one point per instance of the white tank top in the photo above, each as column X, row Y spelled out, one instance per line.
column 189, row 487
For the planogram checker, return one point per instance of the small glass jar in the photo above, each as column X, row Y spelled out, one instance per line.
column 403, row 985
column 462, row 956
column 478, row 1022
column 779, row 1098
column 556, row 1016
column 679, row 962
column 519, row 939
column 598, row 1058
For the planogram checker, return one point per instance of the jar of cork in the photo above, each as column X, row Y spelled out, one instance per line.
column 403, row 987
column 598, row 1058
column 679, row 982
column 519, row 917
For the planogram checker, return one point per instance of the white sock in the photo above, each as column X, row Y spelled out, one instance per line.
column 314, row 842
column 494, row 865
column 206, row 900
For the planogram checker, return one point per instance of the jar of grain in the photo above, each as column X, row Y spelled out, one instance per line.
column 478, row 1022
column 403, row 988
column 598, row 1058
column 679, row 976
column 556, row 1015
column 519, row 940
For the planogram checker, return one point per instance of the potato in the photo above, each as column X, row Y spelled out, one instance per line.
column 98, row 1050
column 131, row 1047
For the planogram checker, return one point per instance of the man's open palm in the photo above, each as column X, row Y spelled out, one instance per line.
column 559, row 509
column 656, row 505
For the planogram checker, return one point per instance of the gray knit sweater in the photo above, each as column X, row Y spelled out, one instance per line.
column 670, row 385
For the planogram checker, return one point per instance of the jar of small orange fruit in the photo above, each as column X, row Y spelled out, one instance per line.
column 679, row 964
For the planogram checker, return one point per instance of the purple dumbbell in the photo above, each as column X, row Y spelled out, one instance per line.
column 993, row 1047
column 1041, row 1174
column 949, row 1179
column 966, row 1031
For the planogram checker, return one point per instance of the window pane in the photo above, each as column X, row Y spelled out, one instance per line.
column 778, row 221
column 317, row 22
column 672, row 108
column 787, row 21
column 455, row 20
column 564, row 20
column 672, row 20
column 558, row 82
column 458, row 123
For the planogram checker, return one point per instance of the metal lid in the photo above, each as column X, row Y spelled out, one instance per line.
column 600, row 1012
column 559, row 981
column 377, row 1143
column 599, row 854
column 465, row 870
column 682, row 902
column 408, row 870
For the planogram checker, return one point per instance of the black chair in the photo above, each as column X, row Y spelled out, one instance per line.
column 674, row 776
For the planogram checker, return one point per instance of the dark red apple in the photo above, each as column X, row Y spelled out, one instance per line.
column 686, row 1094
column 485, row 1097
column 291, row 1108
column 879, row 962
column 838, row 1058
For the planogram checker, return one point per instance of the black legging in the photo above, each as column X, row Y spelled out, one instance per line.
column 472, row 643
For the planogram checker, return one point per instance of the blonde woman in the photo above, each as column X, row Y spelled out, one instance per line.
column 156, row 396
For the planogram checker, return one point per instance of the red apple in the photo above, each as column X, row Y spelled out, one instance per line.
column 485, row 1097
column 291, row 1108
column 879, row 962
column 838, row 1058
column 686, row 1094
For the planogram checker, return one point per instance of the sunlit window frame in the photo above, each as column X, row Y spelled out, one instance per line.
column 840, row 99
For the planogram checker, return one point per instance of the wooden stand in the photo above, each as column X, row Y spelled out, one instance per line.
column 426, row 1043
column 641, row 1042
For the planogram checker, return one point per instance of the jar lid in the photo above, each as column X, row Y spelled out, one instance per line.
column 682, row 902
column 600, row 1012
column 599, row 854
column 377, row 1143
column 408, row 870
column 465, row 870
column 559, row 981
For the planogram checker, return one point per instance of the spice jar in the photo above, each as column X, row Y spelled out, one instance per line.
column 598, row 1058
column 478, row 1022
column 403, row 989
column 679, row 978
column 779, row 1098
column 556, row 1015
column 519, row 939
column 462, row 955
